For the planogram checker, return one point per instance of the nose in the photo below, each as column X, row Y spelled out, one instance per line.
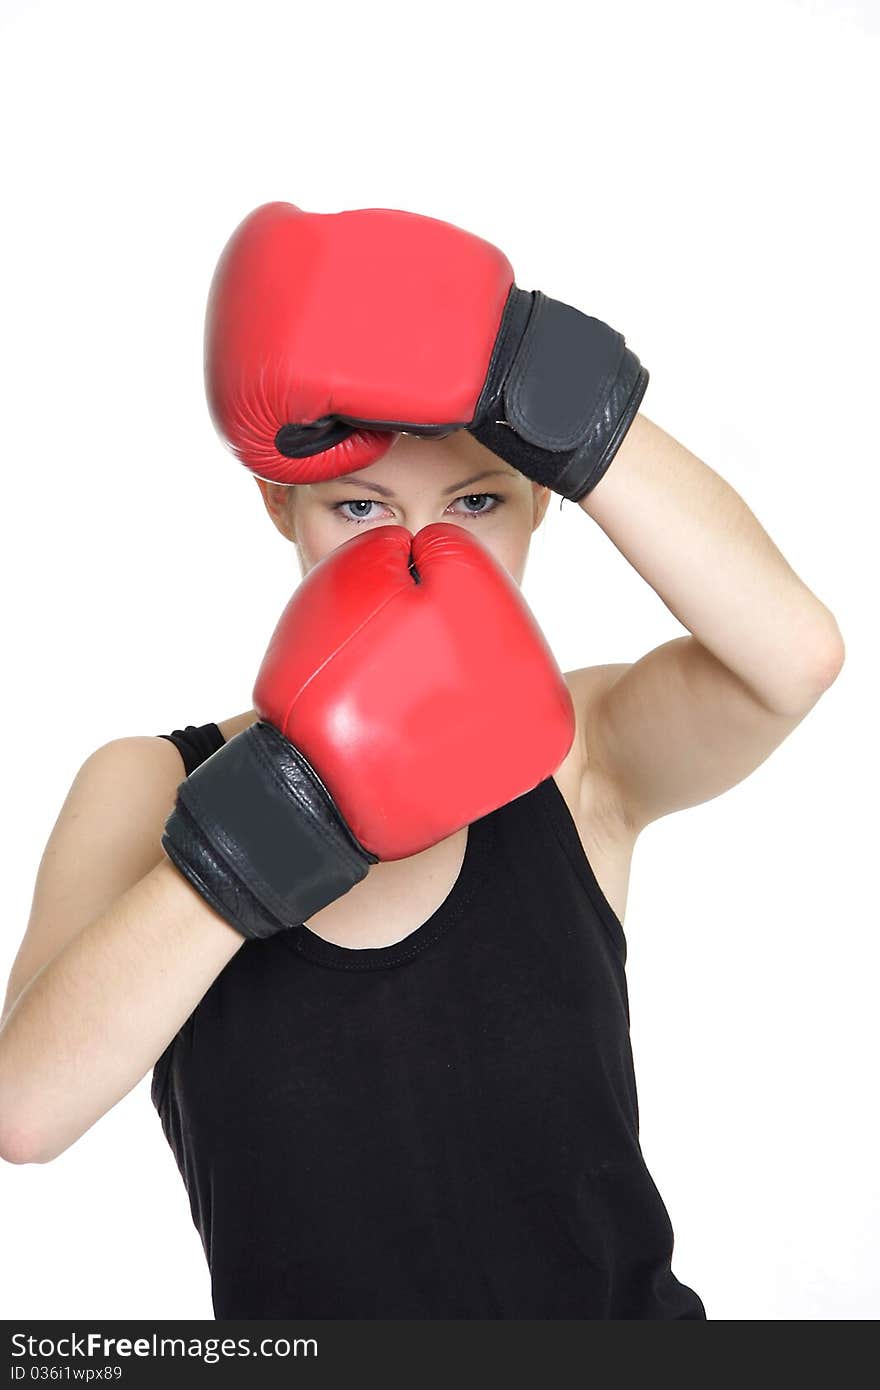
column 416, row 519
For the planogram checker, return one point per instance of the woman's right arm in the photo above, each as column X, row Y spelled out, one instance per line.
column 118, row 951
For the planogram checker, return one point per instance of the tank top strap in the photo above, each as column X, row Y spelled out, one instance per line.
column 195, row 743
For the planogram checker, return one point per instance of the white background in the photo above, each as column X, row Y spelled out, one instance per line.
column 700, row 176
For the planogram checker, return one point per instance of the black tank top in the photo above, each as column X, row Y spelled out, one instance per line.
column 446, row 1127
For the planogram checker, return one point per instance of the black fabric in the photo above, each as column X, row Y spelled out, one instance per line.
column 442, row 1128
column 196, row 743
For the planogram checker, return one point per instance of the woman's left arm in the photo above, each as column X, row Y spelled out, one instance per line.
column 698, row 714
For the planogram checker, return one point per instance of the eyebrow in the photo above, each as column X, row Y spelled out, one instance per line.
column 389, row 492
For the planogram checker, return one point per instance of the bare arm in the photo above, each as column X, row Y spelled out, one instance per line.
column 118, row 952
column 699, row 713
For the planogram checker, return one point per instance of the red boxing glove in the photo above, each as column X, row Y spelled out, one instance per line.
column 406, row 692
column 412, row 674
column 328, row 333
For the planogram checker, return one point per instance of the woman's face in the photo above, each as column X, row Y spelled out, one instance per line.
column 419, row 481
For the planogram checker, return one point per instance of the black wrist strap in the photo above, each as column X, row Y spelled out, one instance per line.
column 256, row 832
column 561, row 392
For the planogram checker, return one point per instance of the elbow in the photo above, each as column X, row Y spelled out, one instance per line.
column 20, row 1142
column 16, row 1146
column 821, row 660
column 827, row 658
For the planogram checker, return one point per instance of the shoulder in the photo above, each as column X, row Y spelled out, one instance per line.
column 106, row 837
column 143, row 767
column 126, row 786
column 125, row 762
column 137, row 772
column 142, row 764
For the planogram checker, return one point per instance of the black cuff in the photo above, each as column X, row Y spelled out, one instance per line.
column 561, row 392
column 256, row 832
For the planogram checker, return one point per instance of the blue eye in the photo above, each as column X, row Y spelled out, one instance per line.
column 355, row 502
column 481, row 497
column 369, row 502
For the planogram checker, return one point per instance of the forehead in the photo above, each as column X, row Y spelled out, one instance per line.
column 442, row 464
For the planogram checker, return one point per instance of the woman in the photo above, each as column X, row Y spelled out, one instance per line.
column 385, row 1111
